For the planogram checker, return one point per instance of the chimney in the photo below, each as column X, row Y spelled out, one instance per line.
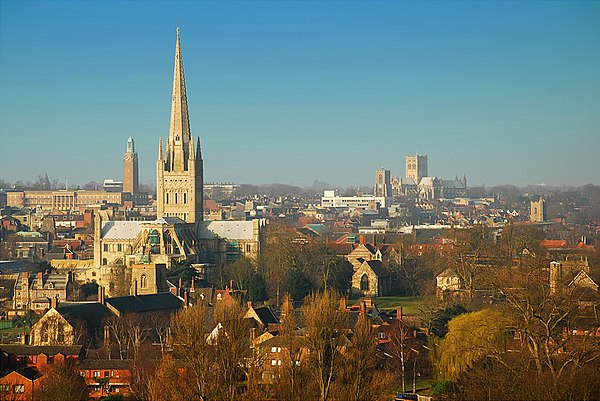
column 399, row 313
column 250, row 304
column 362, row 307
column 193, row 285
column 343, row 304
column 25, row 280
column 252, row 334
column 101, row 294
column 40, row 277
column 369, row 302
column 180, row 283
column 186, row 300
column 106, row 341
column 54, row 302
column 231, row 284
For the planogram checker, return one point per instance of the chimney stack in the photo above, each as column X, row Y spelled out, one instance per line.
column 193, row 285
column 343, row 304
column 250, row 304
column 101, row 294
column 54, row 302
column 399, row 313
column 40, row 277
column 186, row 300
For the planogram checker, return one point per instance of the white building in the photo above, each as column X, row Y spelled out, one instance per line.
column 331, row 199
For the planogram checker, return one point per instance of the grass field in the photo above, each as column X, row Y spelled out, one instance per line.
column 410, row 305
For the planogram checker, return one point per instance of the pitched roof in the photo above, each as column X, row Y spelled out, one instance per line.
column 242, row 230
column 377, row 268
column 91, row 312
column 100, row 364
column 448, row 273
column 145, row 303
column 120, row 229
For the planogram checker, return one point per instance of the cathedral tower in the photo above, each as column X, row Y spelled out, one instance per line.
column 179, row 169
column 416, row 167
column 130, row 169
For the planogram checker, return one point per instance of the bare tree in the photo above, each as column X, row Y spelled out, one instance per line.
column 325, row 338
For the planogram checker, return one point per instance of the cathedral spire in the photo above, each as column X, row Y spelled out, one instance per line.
column 179, row 129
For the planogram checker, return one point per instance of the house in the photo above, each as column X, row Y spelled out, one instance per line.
column 35, row 292
column 107, row 376
column 20, row 385
column 372, row 279
column 262, row 316
column 20, row 356
column 447, row 282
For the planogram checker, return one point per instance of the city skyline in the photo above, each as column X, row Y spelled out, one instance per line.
column 296, row 92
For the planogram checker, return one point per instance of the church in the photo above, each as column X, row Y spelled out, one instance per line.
column 146, row 249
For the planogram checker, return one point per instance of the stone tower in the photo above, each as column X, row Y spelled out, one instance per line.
column 538, row 210
column 179, row 170
column 130, row 169
column 416, row 167
column 383, row 183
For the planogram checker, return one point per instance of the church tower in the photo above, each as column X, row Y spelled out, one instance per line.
column 179, row 169
column 130, row 169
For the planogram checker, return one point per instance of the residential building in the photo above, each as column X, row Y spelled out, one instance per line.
column 36, row 292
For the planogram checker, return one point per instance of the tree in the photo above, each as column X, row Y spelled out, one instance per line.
column 471, row 337
column 297, row 284
column 62, row 382
column 325, row 336
column 232, row 351
column 293, row 372
column 356, row 379
column 189, row 328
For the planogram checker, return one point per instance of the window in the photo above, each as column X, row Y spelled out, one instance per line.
column 119, row 247
column 106, row 373
column 19, row 388
column 4, row 388
column 143, row 281
column 185, row 197
column 273, row 349
column 167, row 197
column 175, row 197
column 273, row 362
column 96, row 374
column 82, row 373
column 364, row 283
column 105, row 247
column 248, row 247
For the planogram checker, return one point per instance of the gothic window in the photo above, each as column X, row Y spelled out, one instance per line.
column 104, row 261
column 185, row 197
column 143, row 281
column 175, row 197
column 364, row 283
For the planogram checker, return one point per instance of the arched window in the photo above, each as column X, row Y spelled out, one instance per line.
column 175, row 197
column 185, row 197
column 167, row 197
column 104, row 261
column 364, row 283
column 143, row 281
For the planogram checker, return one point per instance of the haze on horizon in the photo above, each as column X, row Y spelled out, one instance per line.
column 292, row 92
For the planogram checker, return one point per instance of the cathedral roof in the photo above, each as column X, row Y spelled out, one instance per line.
column 121, row 229
column 230, row 229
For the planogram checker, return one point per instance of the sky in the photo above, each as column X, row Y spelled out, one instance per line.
column 292, row 91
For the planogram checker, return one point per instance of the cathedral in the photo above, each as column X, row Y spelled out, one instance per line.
column 179, row 168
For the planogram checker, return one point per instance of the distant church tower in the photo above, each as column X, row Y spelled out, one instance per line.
column 130, row 169
column 179, row 171
column 538, row 210
column 416, row 167
column 383, row 183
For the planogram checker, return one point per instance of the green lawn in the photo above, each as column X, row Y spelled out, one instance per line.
column 410, row 305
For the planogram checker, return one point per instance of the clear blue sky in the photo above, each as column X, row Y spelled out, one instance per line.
column 504, row 92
